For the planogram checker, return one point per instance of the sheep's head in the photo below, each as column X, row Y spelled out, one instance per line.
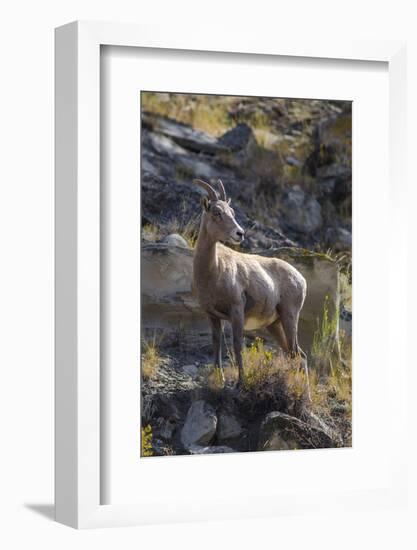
column 219, row 216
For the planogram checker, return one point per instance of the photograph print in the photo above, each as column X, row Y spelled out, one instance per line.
column 246, row 274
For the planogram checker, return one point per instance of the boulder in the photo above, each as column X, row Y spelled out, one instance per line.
column 175, row 240
column 165, row 145
column 339, row 238
column 281, row 431
column 213, row 450
column 168, row 382
column 197, row 167
column 184, row 161
column 276, row 442
column 167, row 300
column 301, row 211
column 228, row 427
column 317, row 422
column 182, row 134
column 166, row 428
column 199, row 426
column 239, row 138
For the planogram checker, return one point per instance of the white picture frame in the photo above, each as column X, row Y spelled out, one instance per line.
column 77, row 69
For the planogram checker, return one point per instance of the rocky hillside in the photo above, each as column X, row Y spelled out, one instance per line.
column 286, row 164
column 187, row 412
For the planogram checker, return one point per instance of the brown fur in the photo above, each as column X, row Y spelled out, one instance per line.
column 248, row 290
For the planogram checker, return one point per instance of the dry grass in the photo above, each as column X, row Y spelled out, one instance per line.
column 184, row 225
column 203, row 112
column 151, row 358
column 187, row 229
column 337, row 386
column 151, row 232
column 263, row 367
column 263, row 370
column 345, row 290
column 214, row 379
column 324, row 346
column 259, row 364
column 331, row 388
column 257, row 119
column 270, row 373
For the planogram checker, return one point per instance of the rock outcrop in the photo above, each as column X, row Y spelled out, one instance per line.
column 281, row 431
column 199, row 426
column 189, row 418
column 302, row 212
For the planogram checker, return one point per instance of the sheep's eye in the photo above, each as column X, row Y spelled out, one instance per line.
column 217, row 214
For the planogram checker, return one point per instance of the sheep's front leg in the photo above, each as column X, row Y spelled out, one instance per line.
column 237, row 321
column 216, row 330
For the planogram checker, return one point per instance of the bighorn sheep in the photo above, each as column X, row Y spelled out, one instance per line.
column 249, row 291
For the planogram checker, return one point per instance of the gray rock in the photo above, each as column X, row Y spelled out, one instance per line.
column 238, row 138
column 339, row 238
column 334, row 170
column 276, row 442
column 182, row 158
column 148, row 167
column 167, row 300
column 200, row 425
column 166, row 429
column 182, row 134
column 228, row 427
column 199, row 168
column 191, row 370
column 175, row 240
column 301, row 211
column 165, row 145
column 215, row 449
column 292, row 161
column 327, row 186
column 316, row 422
column 170, row 381
column 280, row 431
column 346, row 322
column 343, row 187
column 345, row 314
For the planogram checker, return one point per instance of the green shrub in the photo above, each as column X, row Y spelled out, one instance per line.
column 146, row 441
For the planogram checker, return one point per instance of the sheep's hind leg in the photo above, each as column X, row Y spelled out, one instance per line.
column 277, row 331
column 290, row 326
column 237, row 321
column 216, row 330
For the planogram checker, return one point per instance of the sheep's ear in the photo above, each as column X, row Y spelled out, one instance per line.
column 229, row 200
column 206, row 203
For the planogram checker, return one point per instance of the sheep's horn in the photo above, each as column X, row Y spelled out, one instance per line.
column 213, row 195
column 222, row 191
